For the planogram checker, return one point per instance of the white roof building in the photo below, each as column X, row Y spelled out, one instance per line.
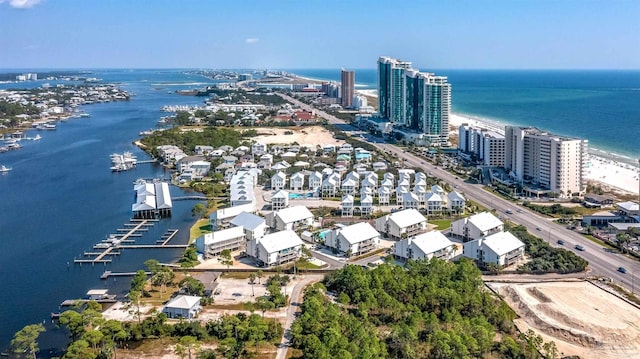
column 290, row 218
column 425, row 246
column 502, row 248
column 477, row 226
column 254, row 226
column 402, row 224
column 280, row 200
column 211, row 244
column 183, row 306
column 354, row 240
column 278, row 248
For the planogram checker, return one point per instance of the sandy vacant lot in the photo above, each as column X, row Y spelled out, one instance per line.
column 581, row 318
column 308, row 135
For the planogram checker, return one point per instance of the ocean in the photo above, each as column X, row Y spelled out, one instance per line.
column 598, row 105
column 61, row 198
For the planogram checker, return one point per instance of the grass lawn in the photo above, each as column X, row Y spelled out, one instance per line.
column 307, row 265
column 441, row 223
column 201, row 227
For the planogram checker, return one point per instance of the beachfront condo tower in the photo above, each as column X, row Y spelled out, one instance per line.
column 545, row 160
column 348, row 79
column 418, row 101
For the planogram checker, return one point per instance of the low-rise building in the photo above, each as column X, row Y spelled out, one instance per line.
column 433, row 202
column 278, row 248
column 315, row 181
column 502, row 249
column 278, row 181
column 182, row 306
column 402, row 224
column 366, row 205
column 296, row 182
column 347, row 204
column 353, row 240
column 254, row 226
column 455, row 202
column 280, row 200
column 212, row 244
column 258, row 148
column 476, row 226
column 424, row 247
column 290, row 218
column 384, row 195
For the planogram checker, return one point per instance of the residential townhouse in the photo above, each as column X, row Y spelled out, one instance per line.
column 476, row 226
column 501, row 248
column 424, row 247
column 212, row 244
column 353, row 240
column 401, row 224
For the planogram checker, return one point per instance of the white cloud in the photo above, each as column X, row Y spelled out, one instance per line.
column 21, row 4
column 251, row 40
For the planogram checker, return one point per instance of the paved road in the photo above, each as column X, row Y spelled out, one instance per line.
column 601, row 261
column 294, row 305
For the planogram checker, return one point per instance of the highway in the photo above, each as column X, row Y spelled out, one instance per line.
column 602, row 262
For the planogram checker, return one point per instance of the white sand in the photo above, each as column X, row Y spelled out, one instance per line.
column 370, row 93
column 609, row 172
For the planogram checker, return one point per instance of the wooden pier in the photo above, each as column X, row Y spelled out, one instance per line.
column 120, row 241
column 109, row 273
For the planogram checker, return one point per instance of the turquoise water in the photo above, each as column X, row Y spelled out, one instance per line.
column 323, row 234
column 300, row 195
column 601, row 106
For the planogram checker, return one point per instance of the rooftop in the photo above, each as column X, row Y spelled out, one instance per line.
column 407, row 217
column 278, row 241
column 502, row 242
column 294, row 214
column 247, row 220
column 183, row 302
column 358, row 232
column 485, row 221
column 431, row 241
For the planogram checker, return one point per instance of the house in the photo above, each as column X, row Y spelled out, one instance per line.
column 301, row 164
column 353, row 240
column 278, row 181
column 347, row 205
column 209, row 280
column 424, row 247
column 369, row 182
column 258, row 148
column 182, row 306
column 387, row 183
column 203, row 150
column 346, row 147
column 419, row 177
column 389, row 176
column 379, row 166
column 267, row 158
column 362, row 155
column 226, row 148
column 476, row 226
column 355, row 176
column 290, row 218
column 328, row 148
column 384, row 195
column 501, row 248
column 223, row 216
column 420, row 192
column 437, row 189
column 366, row 205
column 229, row 159
column 400, row 191
column 280, row 200
column 410, row 200
column 402, row 224
column 455, row 202
column 254, row 227
column 405, row 173
column 329, row 187
column 315, row 181
column 348, row 186
column 212, row 244
column 597, row 201
column 433, row 202
column 278, row 248
column 296, row 182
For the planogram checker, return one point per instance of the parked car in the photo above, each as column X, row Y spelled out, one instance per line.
column 622, row 270
column 561, row 242
column 579, row 247
column 508, row 211
column 538, row 229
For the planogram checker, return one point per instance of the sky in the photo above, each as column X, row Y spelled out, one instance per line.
column 281, row 34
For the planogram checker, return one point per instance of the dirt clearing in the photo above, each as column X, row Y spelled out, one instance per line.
column 308, row 135
column 579, row 317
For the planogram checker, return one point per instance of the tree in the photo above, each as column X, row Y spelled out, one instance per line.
column 190, row 343
column 225, row 258
column 74, row 323
column 199, row 210
column 25, row 340
column 252, row 281
column 134, row 297
column 263, row 304
column 138, row 281
column 259, row 274
column 162, row 278
column 192, row 286
column 622, row 239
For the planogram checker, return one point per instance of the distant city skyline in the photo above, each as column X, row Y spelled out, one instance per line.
column 481, row 34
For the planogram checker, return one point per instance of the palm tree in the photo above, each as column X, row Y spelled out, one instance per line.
column 252, row 281
column 622, row 239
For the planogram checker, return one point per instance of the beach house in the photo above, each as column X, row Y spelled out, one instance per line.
column 347, row 204
column 182, row 306
column 277, row 248
column 501, row 248
column 280, row 200
column 296, row 182
column 424, row 247
column 401, row 224
column 315, row 181
column 353, row 240
column 254, row 226
column 290, row 218
column 212, row 244
column 476, row 226
column 278, row 181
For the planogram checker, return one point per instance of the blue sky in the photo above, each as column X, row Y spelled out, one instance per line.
column 481, row 34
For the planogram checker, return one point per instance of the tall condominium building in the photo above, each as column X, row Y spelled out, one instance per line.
column 551, row 161
column 348, row 79
column 417, row 100
column 488, row 146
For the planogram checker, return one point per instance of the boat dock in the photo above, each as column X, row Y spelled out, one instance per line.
column 120, row 241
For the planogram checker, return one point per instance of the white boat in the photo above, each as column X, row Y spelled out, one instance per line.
column 37, row 138
column 3, row 168
column 84, row 115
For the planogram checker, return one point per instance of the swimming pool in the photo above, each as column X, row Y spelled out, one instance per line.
column 300, row 195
